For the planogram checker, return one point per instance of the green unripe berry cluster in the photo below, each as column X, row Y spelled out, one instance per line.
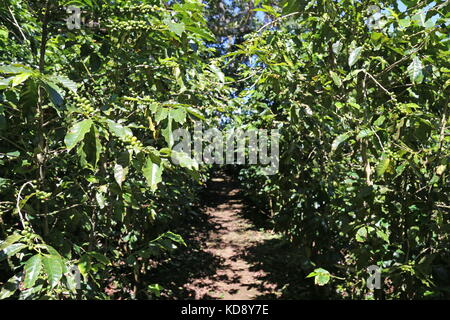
column 42, row 195
column 143, row 8
column 84, row 105
column 132, row 25
column 133, row 142
column 27, row 233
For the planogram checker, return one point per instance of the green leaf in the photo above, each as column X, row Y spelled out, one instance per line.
column 29, row 96
column 177, row 28
column 174, row 237
column 354, row 56
column 10, row 287
column 152, row 173
column 379, row 121
column 118, row 130
column 84, row 265
column 383, row 235
column 321, row 276
column 66, row 82
column 339, row 139
column 415, row 71
column 203, row 33
column 184, row 160
column 161, row 114
column 100, row 200
column 11, row 250
column 10, row 240
column 364, row 133
column 337, row 47
column 52, row 251
column 421, row 19
column 13, row 69
column 54, row 94
column 363, row 233
column 382, row 166
column 440, row 169
column 91, row 149
column 21, row 77
column 179, row 115
column 155, row 289
column 322, row 279
column 77, row 132
column 53, row 268
column 32, row 269
column 120, row 174
column 167, row 132
column 4, row 83
column 195, row 113
column 219, row 74
column 404, row 23
column 3, row 33
column 337, row 80
column 410, row 3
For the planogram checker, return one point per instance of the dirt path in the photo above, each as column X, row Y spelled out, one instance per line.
column 234, row 278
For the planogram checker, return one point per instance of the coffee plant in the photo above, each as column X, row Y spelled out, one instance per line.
column 86, row 119
column 363, row 112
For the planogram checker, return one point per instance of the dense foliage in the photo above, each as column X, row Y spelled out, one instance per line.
column 362, row 101
column 86, row 121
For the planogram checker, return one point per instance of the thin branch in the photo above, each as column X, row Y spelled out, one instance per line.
column 380, row 85
column 379, row 140
column 17, row 24
column 21, row 216
column 276, row 20
column 13, row 143
column 392, row 66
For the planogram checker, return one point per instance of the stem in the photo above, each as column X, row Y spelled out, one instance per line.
column 21, row 216
column 44, row 37
column 443, row 127
column 42, row 144
column 367, row 167
column 364, row 144
column 276, row 20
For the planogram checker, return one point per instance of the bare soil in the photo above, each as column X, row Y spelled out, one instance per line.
column 231, row 253
column 229, row 241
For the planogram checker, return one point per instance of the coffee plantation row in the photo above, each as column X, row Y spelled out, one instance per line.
column 359, row 91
